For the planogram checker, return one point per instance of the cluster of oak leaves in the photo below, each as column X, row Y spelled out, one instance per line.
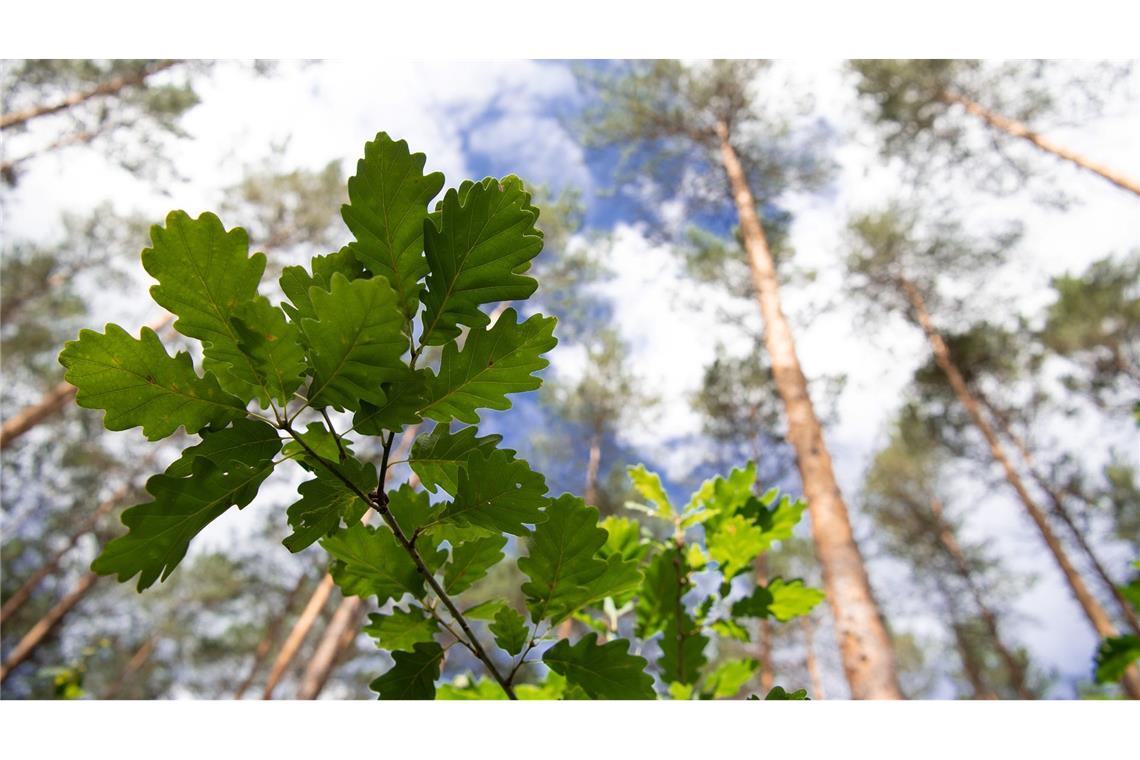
column 346, row 339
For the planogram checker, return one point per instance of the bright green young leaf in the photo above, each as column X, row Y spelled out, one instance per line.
column 648, row 484
column 491, row 364
column 562, row 559
column 783, row 600
column 498, row 492
column 321, row 442
column 1114, row 656
column 400, row 630
column 161, row 530
column 386, row 210
column 729, row 628
column 734, row 544
column 296, row 282
column 369, row 562
column 272, row 346
column 204, row 275
column 476, row 254
column 509, row 630
column 438, row 457
column 327, row 502
column 603, row 672
column 355, row 343
column 623, row 539
column 139, row 385
column 470, row 561
column 665, row 583
column 484, row 689
column 413, row 675
column 726, row 681
column 777, row 693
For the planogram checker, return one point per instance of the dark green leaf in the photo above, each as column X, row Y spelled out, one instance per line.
column 492, row 364
column 470, row 561
column 665, row 583
column 1114, row 656
column 438, row 457
column 401, row 630
column 138, row 384
column 296, row 282
column 781, row 599
column 562, row 559
column 682, row 650
column 603, row 672
column 244, row 441
column 403, row 398
column 476, row 254
column 327, row 502
column 509, row 630
column 369, row 561
column 500, row 493
column 387, row 208
column 778, row 693
column 272, row 345
column 413, row 676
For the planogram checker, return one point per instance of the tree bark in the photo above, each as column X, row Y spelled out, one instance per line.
column 38, row 632
column 1057, row 501
column 110, row 87
column 868, row 660
column 1018, row 129
column 136, row 662
column 22, row 594
column 970, row 665
column 593, row 462
column 953, row 549
column 810, row 661
column 261, row 653
column 52, row 402
column 297, row 634
column 1092, row 608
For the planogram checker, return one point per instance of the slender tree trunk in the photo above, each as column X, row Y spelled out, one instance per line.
column 1057, row 501
column 1092, row 608
column 810, row 661
column 970, row 665
column 297, row 634
column 592, row 464
column 764, row 636
column 261, row 653
column 136, row 662
column 868, row 660
column 22, row 594
column 38, row 632
column 336, row 636
column 1018, row 129
column 52, row 402
column 110, row 87
column 950, row 543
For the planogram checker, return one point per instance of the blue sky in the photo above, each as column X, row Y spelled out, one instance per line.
column 474, row 119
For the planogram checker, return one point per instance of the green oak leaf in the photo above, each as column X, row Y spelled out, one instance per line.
column 327, row 502
column 412, row 510
column 470, row 561
column 272, row 345
column 623, row 539
column 498, row 492
column 438, row 457
column 160, row 531
column 387, row 206
column 779, row 694
column 729, row 677
column 400, row 630
column 510, row 631
column 476, row 252
column 682, row 650
column 734, row 544
column 648, row 484
column 608, row 671
column 562, row 559
column 370, row 562
column 296, row 282
column 355, row 343
column 484, row 610
column 138, row 384
column 783, row 600
column 491, row 364
column 244, row 441
column 1114, row 656
column 484, row 689
column 403, row 398
column 665, row 583
column 205, row 274
column 729, row 628
column 321, row 442
column 413, row 674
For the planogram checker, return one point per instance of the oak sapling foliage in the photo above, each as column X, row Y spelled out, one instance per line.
column 384, row 335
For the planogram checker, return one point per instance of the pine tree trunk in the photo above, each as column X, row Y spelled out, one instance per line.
column 22, row 594
column 970, row 665
column 810, row 661
column 110, row 87
column 1062, row 513
column 38, row 632
column 1092, row 608
column 593, row 463
column 297, row 634
column 136, row 662
column 261, row 653
column 52, row 402
column 1018, row 129
column 950, row 543
column 868, row 660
